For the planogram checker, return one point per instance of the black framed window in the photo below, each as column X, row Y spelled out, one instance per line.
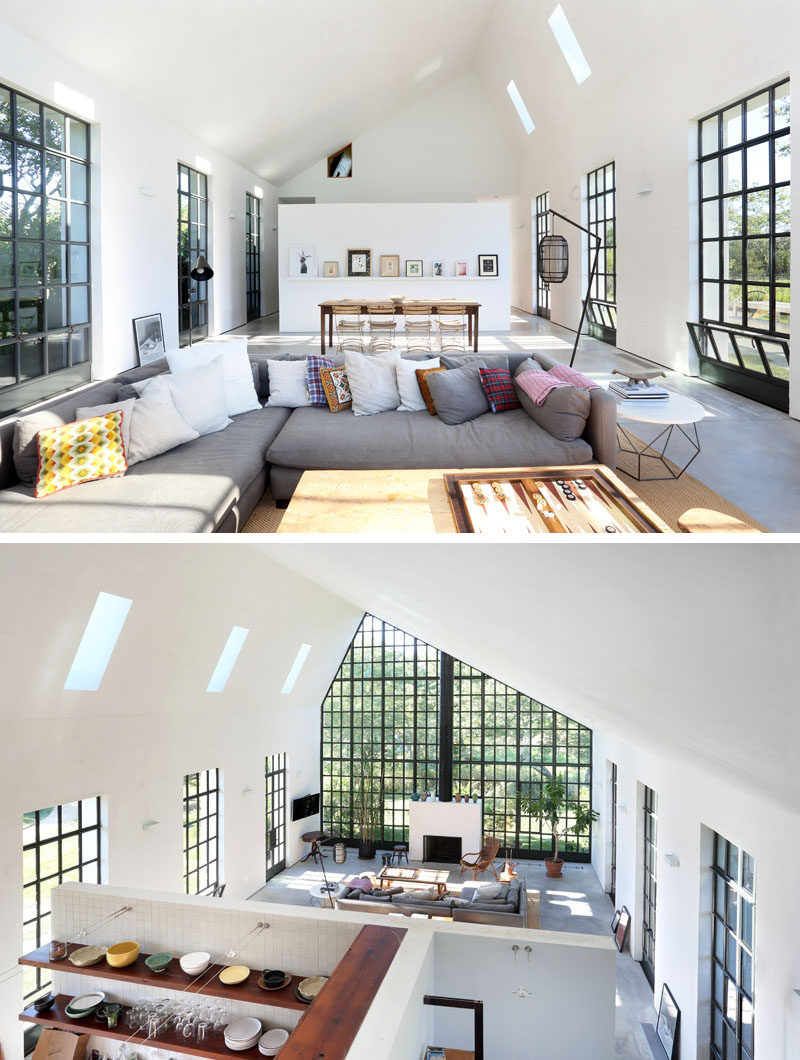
column 601, row 214
column 253, row 255
column 59, row 844
column 542, row 229
column 744, row 169
column 612, row 881
column 201, row 850
column 275, row 825
column 650, row 884
column 192, row 241
column 397, row 694
column 733, row 926
column 45, row 288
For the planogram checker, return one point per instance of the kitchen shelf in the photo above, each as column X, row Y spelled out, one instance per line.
column 174, row 979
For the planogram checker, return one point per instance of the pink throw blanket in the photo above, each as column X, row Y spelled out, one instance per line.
column 569, row 375
column 538, row 384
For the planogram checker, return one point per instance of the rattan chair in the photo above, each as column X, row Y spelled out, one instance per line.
column 349, row 325
column 382, row 326
column 452, row 326
column 419, row 326
column 483, row 861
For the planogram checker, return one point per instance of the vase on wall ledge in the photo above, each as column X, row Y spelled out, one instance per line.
column 458, row 797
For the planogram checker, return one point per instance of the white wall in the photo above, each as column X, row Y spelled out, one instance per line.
column 447, row 148
column 689, row 801
column 135, row 237
column 448, row 232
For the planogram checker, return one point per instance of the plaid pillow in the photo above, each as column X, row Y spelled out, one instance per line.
column 499, row 388
column 316, row 393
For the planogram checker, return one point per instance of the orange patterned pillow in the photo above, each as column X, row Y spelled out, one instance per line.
column 80, row 452
column 422, row 378
column 337, row 388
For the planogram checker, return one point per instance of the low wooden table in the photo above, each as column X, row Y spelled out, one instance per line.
column 400, row 503
column 419, row 878
column 472, row 312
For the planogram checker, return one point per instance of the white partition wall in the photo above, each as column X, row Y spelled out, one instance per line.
column 463, row 820
column 446, row 232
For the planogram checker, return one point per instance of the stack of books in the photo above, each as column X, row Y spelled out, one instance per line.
column 627, row 390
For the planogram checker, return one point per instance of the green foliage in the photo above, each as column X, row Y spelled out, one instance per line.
column 368, row 794
column 549, row 805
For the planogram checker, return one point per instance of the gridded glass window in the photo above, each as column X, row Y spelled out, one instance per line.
column 612, row 889
column 503, row 742
column 384, row 697
column 650, row 884
column 44, row 251
column 601, row 207
column 59, row 844
column 734, row 913
column 744, row 165
column 192, row 241
column 276, row 814
column 201, row 860
column 253, row 256
column 542, row 229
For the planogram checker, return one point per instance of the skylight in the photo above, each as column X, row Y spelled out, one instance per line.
column 568, row 43
column 297, row 666
column 97, row 643
column 519, row 104
column 227, row 660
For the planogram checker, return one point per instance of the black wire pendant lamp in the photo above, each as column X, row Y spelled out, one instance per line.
column 553, row 259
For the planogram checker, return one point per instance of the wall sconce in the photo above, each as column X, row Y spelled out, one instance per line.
column 246, row 791
column 646, row 189
column 621, row 808
column 232, row 215
column 147, row 191
column 673, row 860
column 151, row 823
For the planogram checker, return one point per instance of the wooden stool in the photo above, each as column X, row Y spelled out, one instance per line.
column 314, row 838
column 400, row 851
column 386, row 859
column 706, row 521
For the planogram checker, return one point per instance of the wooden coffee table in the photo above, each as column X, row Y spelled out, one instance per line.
column 403, row 503
column 419, row 878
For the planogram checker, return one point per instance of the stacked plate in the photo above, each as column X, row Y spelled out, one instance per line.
column 243, row 1034
column 273, row 1041
column 84, row 1005
column 308, row 989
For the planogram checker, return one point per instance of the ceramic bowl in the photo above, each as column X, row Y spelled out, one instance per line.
column 272, row 976
column 235, row 974
column 86, row 955
column 157, row 962
column 244, row 1029
column 195, row 963
column 122, row 954
column 309, row 988
column 273, row 1041
column 84, row 1005
column 42, row 1004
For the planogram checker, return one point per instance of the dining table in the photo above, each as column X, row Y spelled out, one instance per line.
column 326, row 314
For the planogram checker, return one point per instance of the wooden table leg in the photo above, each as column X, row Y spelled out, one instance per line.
column 322, row 330
column 475, row 331
column 330, row 329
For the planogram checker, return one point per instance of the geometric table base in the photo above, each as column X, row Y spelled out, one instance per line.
column 650, row 451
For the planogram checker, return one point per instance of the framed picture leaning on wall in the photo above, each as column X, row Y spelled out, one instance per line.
column 330, row 269
column 359, row 263
column 621, row 932
column 414, row 267
column 302, row 262
column 669, row 1018
column 487, row 265
column 148, row 334
column 390, row 264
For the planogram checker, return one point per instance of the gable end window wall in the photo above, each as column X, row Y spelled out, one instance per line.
column 404, row 699
column 192, row 241
column 744, row 169
column 45, row 297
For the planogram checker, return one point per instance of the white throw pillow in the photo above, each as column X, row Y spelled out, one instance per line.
column 287, row 384
column 199, row 396
column 125, row 408
column 240, row 394
column 373, row 381
column 411, row 399
column 156, row 425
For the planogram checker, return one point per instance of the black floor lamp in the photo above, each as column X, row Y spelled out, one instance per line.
column 553, row 263
column 201, row 271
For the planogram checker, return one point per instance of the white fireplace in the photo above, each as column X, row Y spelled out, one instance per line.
column 462, row 820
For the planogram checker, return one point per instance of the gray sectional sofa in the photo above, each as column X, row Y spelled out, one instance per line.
column 509, row 908
column 212, row 484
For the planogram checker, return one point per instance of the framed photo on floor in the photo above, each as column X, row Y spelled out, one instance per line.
column 390, row 264
column 488, row 265
column 148, row 334
column 668, row 1025
column 330, row 269
column 615, row 921
column 621, row 932
column 359, row 263
column 414, row 267
column 302, row 262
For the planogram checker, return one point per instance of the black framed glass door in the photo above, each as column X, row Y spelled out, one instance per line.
column 650, row 885
column 542, row 229
column 275, row 823
column 612, row 888
column 192, row 242
column 252, row 252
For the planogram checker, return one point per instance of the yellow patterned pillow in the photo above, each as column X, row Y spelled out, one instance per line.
column 80, row 452
column 337, row 388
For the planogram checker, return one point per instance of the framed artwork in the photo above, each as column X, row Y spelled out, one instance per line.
column 148, row 334
column 340, row 163
column 390, row 265
column 621, row 932
column 330, row 269
column 461, row 268
column 487, row 265
column 438, row 268
column 414, row 267
column 302, row 262
column 359, row 263
column 669, row 1018
column 614, row 922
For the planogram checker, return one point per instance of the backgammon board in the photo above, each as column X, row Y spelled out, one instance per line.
column 569, row 500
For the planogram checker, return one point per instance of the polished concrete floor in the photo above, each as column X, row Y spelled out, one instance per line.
column 750, row 453
column 574, row 903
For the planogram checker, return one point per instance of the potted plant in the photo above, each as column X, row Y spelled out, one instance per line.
column 458, row 796
column 368, row 802
column 550, row 805
column 474, row 796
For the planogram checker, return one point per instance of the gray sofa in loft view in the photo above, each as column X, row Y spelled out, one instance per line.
column 508, row 909
column 314, row 439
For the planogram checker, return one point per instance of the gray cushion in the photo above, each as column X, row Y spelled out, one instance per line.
column 461, row 360
column 127, row 391
column 315, row 439
column 494, row 907
column 458, row 394
column 564, row 412
column 528, row 365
